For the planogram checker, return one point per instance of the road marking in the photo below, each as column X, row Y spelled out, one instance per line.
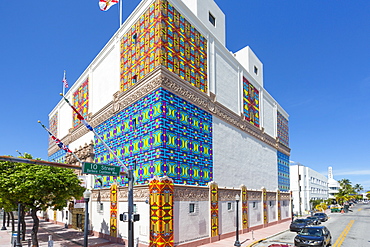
column 359, row 209
column 343, row 235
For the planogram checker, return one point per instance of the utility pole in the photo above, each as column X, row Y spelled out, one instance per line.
column 130, row 208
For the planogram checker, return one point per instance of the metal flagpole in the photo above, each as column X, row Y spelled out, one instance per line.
column 120, row 13
column 74, row 155
column 64, row 77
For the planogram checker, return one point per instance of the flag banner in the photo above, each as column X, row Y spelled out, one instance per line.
column 88, row 126
column 65, row 82
column 106, row 4
column 57, row 141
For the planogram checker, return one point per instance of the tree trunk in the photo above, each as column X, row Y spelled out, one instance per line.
column 23, row 225
column 35, row 228
column 13, row 222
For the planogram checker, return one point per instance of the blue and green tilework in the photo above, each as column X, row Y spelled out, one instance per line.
column 164, row 135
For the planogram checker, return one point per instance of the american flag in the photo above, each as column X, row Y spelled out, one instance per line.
column 59, row 143
column 106, row 4
column 65, row 82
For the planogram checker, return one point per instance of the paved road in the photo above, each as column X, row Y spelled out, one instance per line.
column 348, row 230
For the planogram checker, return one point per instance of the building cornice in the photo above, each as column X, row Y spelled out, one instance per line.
column 161, row 77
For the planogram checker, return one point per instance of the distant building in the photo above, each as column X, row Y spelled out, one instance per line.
column 333, row 184
column 306, row 185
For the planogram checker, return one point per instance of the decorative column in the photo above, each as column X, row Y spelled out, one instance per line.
column 264, row 203
column 161, row 212
column 278, row 199
column 213, row 188
column 113, row 210
column 244, row 203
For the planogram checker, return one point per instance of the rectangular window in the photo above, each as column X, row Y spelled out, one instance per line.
column 134, row 79
column 255, row 70
column 212, row 19
column 134, row 38
column 229, row 206
column 191, row 208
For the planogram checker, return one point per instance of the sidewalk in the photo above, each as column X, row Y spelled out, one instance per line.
column 61, row 236
column 247, row 239
column 72, row 238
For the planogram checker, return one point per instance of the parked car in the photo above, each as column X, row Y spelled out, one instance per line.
column 313, row 236
column 322, row 216
column 314, row 219
column 298, row 224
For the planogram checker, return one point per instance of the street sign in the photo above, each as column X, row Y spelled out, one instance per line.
column 100, row 169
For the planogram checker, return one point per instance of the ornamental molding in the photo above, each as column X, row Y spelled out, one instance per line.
column 227, row 194
column 141, row 194
column 162, row 77
column 284, row 196
column 191, row 193
column 271, row 196
column 254, row 195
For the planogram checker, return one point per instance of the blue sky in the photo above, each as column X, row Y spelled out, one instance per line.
column 316, row 57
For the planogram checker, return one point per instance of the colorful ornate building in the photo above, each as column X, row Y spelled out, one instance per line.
column 172, row 102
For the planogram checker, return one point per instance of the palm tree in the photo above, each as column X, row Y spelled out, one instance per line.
column 358, row 188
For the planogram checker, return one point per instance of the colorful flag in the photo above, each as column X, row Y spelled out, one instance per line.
column 79, row 116
column 57, row 141
column 106, row 4
column 65, row 82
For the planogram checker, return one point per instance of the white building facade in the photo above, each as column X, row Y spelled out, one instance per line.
column 167, row 95
column 306, row 185
column 333, row 185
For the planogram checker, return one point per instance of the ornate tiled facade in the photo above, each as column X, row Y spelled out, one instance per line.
column 251, row 103
column 283, row 171
column 163, row 135
column 53, row 127
column 282, row 129
column 162, row 36
column 81, row 101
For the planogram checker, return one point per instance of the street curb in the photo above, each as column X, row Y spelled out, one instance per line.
column 256, row 242
column 263, row 239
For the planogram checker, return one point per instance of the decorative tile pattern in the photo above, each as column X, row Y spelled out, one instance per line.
column 162, row 36
column 278, row 196
column 113, row 210
column 213, row 187
column 161, row 212
column 58, row 156
column 283, row 171
column 282, row 129
column 81, row 101
column 264, row 203
column 165, row 135
column 251, row 103
column 244, row 207
column 53, row 127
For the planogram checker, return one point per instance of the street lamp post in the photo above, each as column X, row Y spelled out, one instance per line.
column 4, row 219
column 87, row 195
column 237, row 243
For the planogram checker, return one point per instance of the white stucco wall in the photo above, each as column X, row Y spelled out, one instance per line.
column 240, row 159
column 190, row 226
column 202, row 8
column 249, row 61
column 255, row 214
column 269, row 119
column 271, row 211
column 100, row 220
column 285, row 209
column 227, row 83
column 227, row 217
column 104, row 78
